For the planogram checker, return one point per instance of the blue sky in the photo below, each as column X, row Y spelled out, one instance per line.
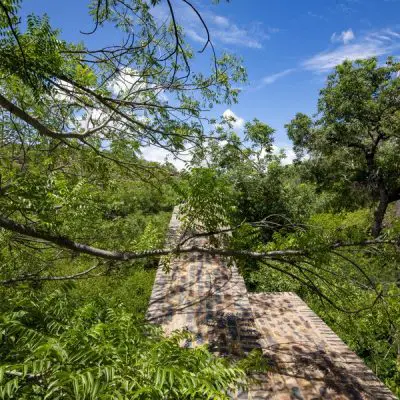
column 288, row 46
column 292, row 45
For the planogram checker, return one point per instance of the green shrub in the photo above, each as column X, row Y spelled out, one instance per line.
column 55, row 347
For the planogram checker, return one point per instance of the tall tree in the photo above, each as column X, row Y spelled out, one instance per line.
column 358, row 129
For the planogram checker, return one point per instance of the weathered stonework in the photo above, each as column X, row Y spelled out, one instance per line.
column 309, row 360
column 203, row 294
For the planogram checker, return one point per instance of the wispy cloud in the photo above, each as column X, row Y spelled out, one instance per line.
column 223, row 30
column 269, row 79
column 240, row 36
column 221, row 21
column 195, row 36
column 380, row 43
column 227, row 32
column 315, row 15
column 345, row 36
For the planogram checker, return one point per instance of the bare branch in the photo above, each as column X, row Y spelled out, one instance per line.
column 36, row 278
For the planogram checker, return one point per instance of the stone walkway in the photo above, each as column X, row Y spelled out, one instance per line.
column 205, row 295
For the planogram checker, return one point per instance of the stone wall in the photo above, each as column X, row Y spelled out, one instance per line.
column 205, row 295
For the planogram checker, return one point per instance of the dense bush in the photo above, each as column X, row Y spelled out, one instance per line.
column 57, row 347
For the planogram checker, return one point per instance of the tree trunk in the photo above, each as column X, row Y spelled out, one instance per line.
column 380, row 212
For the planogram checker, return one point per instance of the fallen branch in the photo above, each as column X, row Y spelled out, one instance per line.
column 69, row 244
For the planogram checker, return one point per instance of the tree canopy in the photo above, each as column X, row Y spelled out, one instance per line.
column 357, row 129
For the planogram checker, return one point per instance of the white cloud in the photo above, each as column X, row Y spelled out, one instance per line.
column 224, row 31
column 289, row 154
column 128, row 80
column 232, row 34
column 236, row 122
column 267, row 80
column 91, row 118
column 379, row 43
column 345, row 37
column 195, row 36
column 285, row 152
column 221, row 21
column 129, row 83
column 160, row 155
column 63, row 95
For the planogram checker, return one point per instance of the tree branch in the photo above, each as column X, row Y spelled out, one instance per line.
column 69, row 244
column 36, row 278
column 43, row 129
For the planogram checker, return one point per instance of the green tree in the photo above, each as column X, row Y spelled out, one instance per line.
column 357, row 129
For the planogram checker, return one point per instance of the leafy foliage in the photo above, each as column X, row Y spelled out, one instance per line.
column 354, row 289
column 356, row 137
column 207, row 199
column 53, row 347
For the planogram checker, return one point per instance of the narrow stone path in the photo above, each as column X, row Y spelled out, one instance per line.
column 203, row 294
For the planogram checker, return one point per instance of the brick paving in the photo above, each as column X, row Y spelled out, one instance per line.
column 203, row 294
